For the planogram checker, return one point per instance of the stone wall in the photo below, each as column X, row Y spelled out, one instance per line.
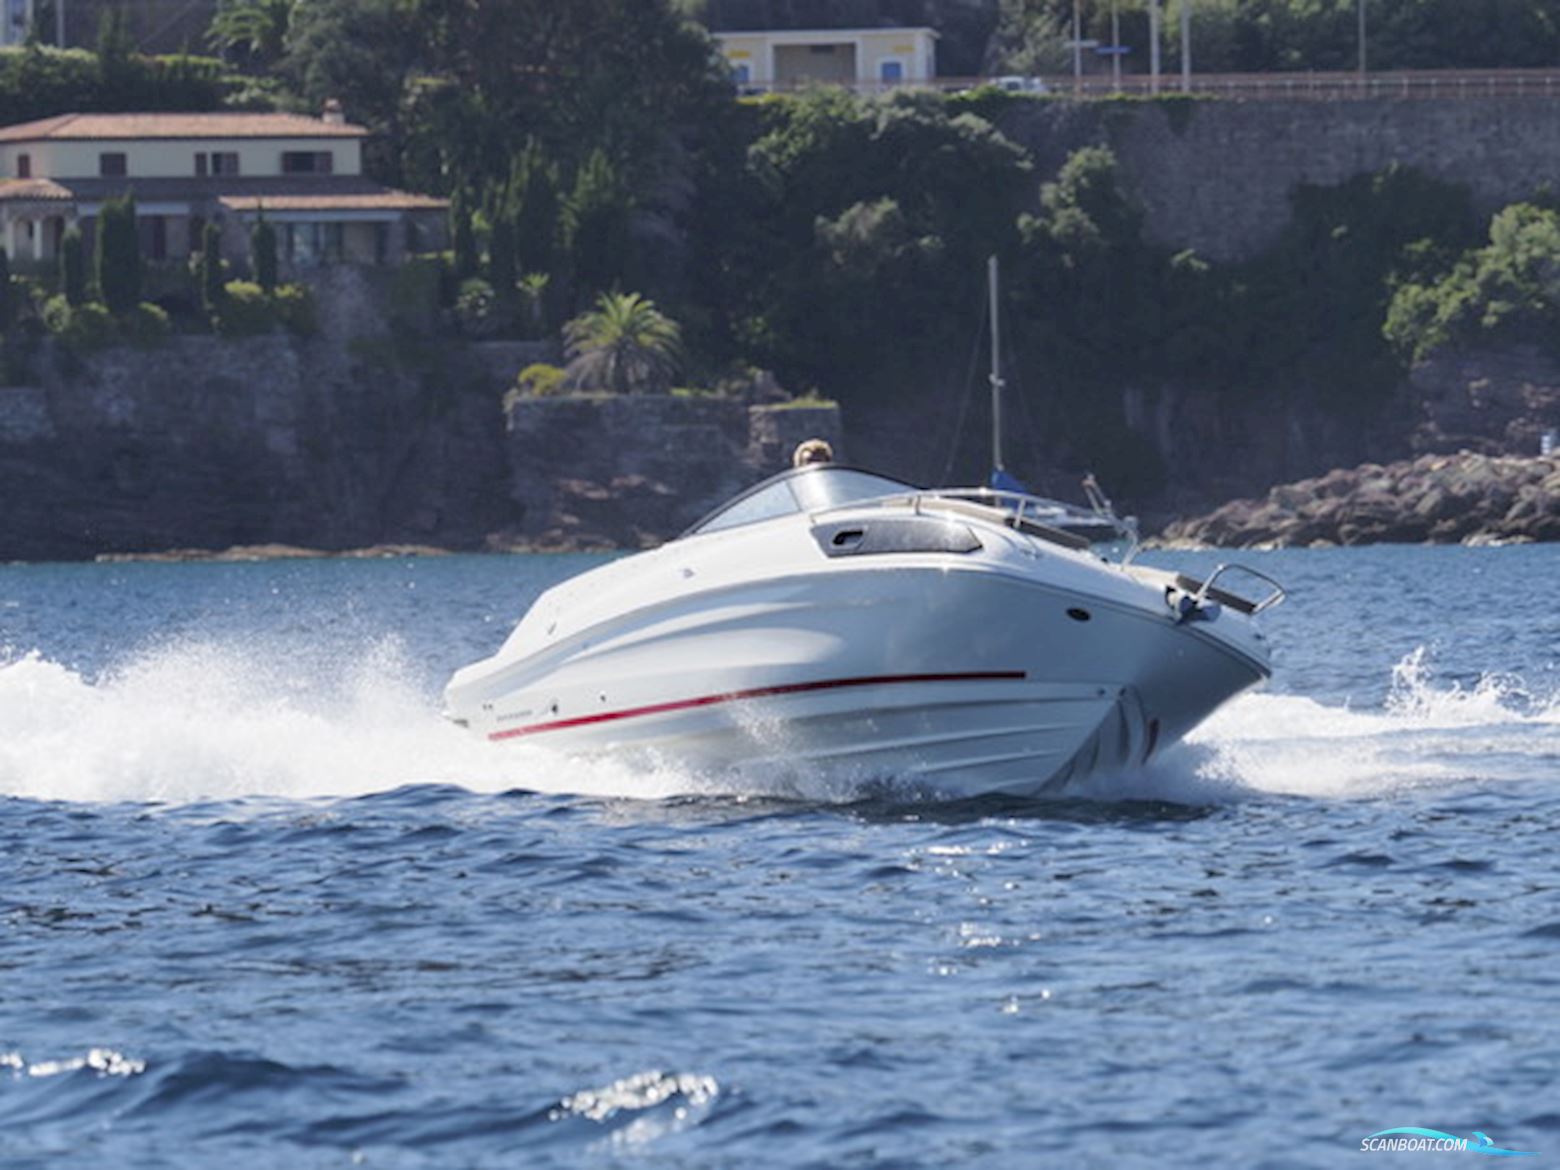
column 597, row 471
column 208, row 443
column 1216, row 177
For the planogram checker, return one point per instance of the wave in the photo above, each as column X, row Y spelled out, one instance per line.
column 209, row 720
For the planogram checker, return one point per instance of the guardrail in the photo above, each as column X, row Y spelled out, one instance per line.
column 1335, row 86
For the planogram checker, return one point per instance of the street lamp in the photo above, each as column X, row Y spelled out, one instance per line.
column 1362, row 41
column 1186, row 46
column 1153, row 46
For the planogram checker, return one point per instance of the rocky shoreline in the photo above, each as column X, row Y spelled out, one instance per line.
column 1466, row 498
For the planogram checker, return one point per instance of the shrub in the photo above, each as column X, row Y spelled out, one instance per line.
column 539, row 379
column 1508, row 290
column 146, row 324
column 246, row 311
column 56, row 313
column 477, row 309
column 294, row 307
column 80, row 328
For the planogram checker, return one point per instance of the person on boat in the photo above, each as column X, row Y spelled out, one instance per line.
column 812, row 451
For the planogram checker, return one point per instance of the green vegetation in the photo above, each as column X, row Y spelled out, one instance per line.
column 1255, row 36
column 625, row 345
column 594, row 146
column 262, row 253
column 118, row 256
column 7, row 293
column 1507, row 291
column 73, row 267
column 247, row 310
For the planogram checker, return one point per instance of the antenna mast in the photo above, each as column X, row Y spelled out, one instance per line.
column 996, row 370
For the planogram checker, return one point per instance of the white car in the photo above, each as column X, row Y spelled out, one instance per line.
column 1016, row 84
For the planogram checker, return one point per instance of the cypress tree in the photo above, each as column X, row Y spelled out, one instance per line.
column 595, row 225
column 212, row 288
column 73, row 267
column 118, row 255
column 465, row 239
column 7, row 302
column 534, row 183
column 262, row 250
column 501, row 271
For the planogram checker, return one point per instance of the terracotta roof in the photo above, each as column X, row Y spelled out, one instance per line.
column 20, row 189
column 99, row 127
column 370, row 201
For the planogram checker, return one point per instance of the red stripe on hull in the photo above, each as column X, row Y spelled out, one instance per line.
column 758, row 693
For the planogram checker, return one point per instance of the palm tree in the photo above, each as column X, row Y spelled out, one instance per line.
column 625, row 345
column 255, row 28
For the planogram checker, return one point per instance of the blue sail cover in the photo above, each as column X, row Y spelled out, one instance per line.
column 1003, row 482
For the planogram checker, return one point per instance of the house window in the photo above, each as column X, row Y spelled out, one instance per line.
column 24, row 166
column 312, row 243
column 891, row 72
column 111, row 163
column 197, row 233
column 216, row 162
column 307, row 162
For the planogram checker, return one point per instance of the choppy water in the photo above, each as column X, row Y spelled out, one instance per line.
column 259, row 906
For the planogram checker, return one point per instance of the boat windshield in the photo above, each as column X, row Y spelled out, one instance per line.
column 811, row 489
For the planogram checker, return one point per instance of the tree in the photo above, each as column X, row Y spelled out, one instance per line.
column 213, row 289
column 501, row 270
column 625, row 345
column 118, row 255
column 7, row 302
column 595, row 225
column 1030, row 38
column 116, row 65
column 253, row 30
column 73, row 267
column 463, row 237
column 262, row 251
column 534, row 183
column 366, row 54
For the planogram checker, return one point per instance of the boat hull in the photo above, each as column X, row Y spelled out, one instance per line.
column 956, row 676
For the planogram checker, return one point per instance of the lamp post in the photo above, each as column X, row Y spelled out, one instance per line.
column 1153, row 46
column 1115, row 46
column 1186, row 46
column 1077, row 48
column 1362, row 42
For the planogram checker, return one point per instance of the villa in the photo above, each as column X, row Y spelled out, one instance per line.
column 303, row 174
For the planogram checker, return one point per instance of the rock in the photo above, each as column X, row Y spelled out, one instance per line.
column 1469, row 497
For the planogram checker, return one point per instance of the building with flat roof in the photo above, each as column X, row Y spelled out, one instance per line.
column 866, row 59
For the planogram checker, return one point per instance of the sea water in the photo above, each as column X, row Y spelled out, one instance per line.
column 260, row 906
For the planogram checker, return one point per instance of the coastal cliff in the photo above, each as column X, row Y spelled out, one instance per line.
column 207, row 443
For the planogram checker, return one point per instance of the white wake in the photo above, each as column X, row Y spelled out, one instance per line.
column 210, row 721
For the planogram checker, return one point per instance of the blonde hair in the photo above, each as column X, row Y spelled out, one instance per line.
column 812, row 451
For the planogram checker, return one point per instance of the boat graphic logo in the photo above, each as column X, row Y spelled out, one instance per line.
column 1414, row 1138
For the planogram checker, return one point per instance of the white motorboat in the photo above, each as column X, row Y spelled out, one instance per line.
column 833, row 623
